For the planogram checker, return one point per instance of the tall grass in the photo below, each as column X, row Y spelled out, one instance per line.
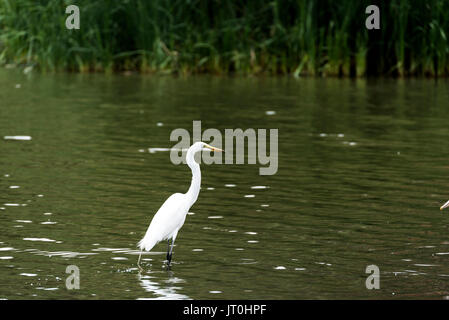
column 299, row 37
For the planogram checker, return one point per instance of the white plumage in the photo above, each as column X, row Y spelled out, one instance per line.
column 166, row 222
column 171, row 216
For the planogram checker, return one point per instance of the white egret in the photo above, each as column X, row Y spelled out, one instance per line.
column 171, row 216
column 444, row 205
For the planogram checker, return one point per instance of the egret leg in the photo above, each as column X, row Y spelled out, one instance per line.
column 171, row 251
column 168, row 252
column 138, row 261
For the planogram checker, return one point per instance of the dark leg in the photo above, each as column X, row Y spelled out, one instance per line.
column 168, row 252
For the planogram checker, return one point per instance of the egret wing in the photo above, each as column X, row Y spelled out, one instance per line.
column 166, row 221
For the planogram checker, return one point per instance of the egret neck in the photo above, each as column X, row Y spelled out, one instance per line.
column 194, row 189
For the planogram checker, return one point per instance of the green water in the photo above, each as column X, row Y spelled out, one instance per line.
column 363, row 169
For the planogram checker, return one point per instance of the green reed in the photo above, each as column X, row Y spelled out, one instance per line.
column 302, row 37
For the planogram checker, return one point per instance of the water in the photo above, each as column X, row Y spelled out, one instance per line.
column 363, row 169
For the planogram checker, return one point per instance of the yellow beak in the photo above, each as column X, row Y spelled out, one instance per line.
column 444, row 205
column 213, row 148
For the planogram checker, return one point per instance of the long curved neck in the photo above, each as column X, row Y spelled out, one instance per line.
column 195, row 185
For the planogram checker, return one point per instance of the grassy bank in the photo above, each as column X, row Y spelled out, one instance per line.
column 302, row 37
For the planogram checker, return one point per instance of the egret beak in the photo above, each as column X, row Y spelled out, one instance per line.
column 213, row 148
column 444, row 205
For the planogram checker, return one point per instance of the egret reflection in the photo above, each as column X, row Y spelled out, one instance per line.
column 165, row 290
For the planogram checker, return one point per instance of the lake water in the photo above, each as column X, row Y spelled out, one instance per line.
column 363, row 170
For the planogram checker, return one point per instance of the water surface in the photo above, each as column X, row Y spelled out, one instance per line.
column 363, row 169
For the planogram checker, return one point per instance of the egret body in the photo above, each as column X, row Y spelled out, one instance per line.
column 171, row 216
column 444, row 205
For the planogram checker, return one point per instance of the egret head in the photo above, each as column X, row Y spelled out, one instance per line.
column 444, row 205
column 197, row 147
column 201, row 146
